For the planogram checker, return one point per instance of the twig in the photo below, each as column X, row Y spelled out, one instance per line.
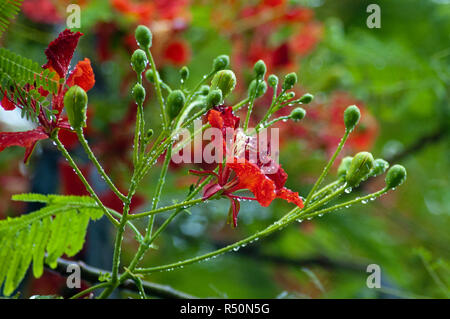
column 91, row 274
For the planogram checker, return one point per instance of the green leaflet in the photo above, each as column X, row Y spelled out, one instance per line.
column 8, row 10
column 43, row 236
column 15, row 69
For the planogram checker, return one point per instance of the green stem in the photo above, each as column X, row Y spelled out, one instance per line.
column 158, row 89
column 184, row 204
column 281, row 223
column 88, row 290
column 80, row 175
column 273, row 105
column 347, row 204
column 100, row 169
column 150, row 240
column 327, row 167
column 159, row 187
column 250, row 105
column 265, row 125
column 136, row 143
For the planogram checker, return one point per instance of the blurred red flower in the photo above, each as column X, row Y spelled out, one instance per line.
column 59, row 54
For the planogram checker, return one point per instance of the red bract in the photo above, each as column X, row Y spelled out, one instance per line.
column 59, row 54
column 239, row 173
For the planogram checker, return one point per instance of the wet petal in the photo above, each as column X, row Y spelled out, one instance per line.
column 60, row 51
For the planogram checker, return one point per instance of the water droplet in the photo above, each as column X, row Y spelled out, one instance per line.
column 348, row 190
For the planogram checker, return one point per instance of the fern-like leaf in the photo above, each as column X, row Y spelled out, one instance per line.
column 8, row 10
column 56, row 229
column 18, row 70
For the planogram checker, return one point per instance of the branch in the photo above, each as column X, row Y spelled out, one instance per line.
column 91, row 274
column 421, row 143
column 321, row 261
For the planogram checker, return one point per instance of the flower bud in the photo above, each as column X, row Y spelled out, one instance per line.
column 262, row 88
column 221, row 62
column 204, row 90
column 290, row 95
column 224, row 80
column 379, row 167
column 344, row 166
column 184, row 73
column 150, row 76
column 260, row 69
column 289, row 81
column 306, row 98
column 297, row 114
column 272, row 80
column 75, row 102
column 395, row 176
column 214, row 98
column 351, row 117
column 148, row 135
column 138, row 93
column 143, row 36
column 359, row 169
column 139, row 61
column 175, row 102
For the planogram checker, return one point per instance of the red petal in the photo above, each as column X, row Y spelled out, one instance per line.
column 215, row 119
column 223, row 117
column 279, row 178
column 290, row 196
column 25, row 139
column 60, row 51
column 210, row 190
column 251, row 178
column 235, row 207
column 6, row 103
column 82, row 75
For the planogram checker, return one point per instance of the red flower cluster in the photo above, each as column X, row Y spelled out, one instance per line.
column 59, row 54
column 253, row 28
column 239, row 173
column 326, row 126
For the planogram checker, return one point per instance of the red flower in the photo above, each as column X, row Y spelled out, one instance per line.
column 177, row 52
column 240, row 173
column 59, row 54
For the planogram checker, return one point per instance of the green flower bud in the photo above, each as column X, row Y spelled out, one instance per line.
column 204, row 90
column 150, row 76
column 379, row 167
column 289, row 81
column 184, row 73
column 306, row 98
column 395, row 176
column 272, row 80
column 75, row 102
column 344, row 166
column 262, row 88
column 175, row 102
column 351, row 117
column 139, row 61
column 297, row 114
column 214, row 98
column 260, row 69
column 290, row 95
column 138, row 93
column 148, row 135
column 143, row 36
column 224, row 80
column 221, row 62
column 359, row 169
